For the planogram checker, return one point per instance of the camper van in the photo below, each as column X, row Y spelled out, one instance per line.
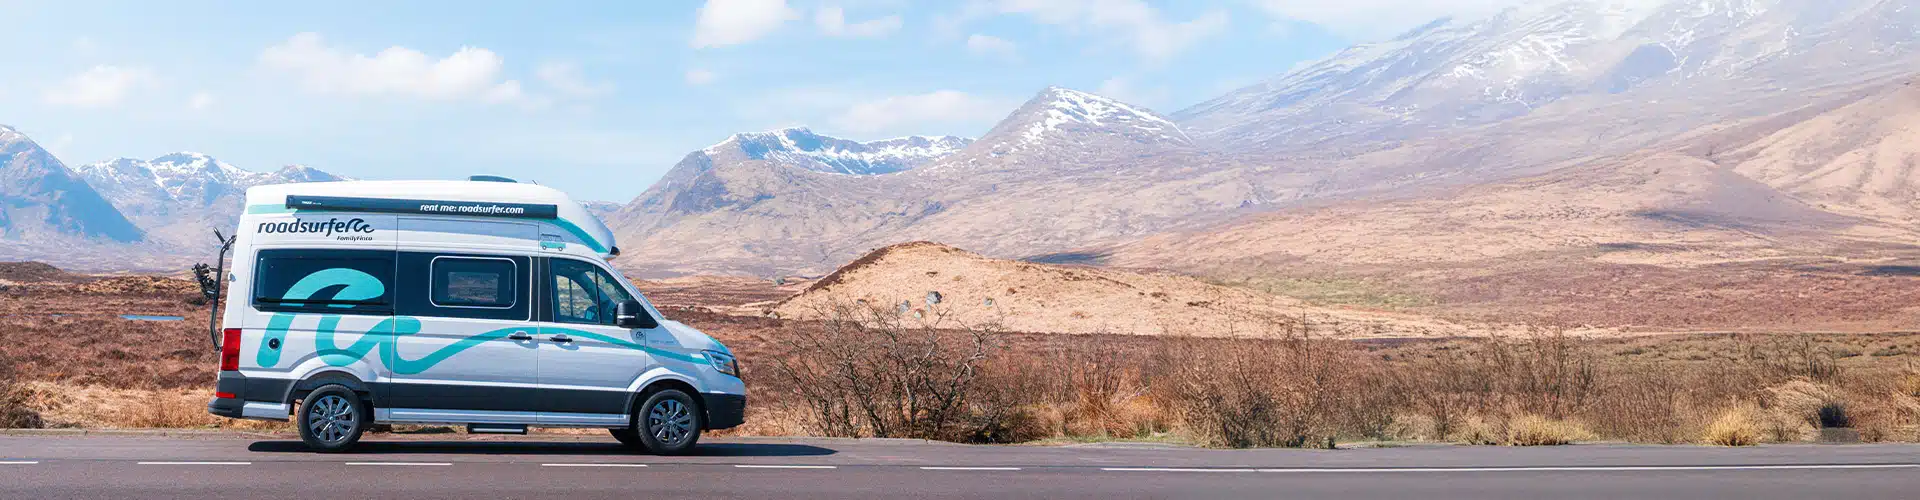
column 484, row 303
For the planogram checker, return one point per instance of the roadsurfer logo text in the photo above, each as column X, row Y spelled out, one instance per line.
column 327, row 228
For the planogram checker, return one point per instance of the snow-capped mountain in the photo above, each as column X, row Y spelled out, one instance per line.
column 41, row 199
column 1062, row 117
column 1065, row 169
column 177, row 197
column 188, row 178
column 1451, row 73
column 800, row 147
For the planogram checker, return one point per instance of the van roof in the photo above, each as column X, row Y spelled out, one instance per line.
column 498, row 192
column 570, row 215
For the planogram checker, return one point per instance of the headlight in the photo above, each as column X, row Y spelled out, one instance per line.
column 723, row 362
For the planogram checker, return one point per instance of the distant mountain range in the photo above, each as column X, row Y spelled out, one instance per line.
column 177, row 197
column 1049, row 177
column 1451, row 74
column 802, row 148
column 121, row 214
column 41, row 199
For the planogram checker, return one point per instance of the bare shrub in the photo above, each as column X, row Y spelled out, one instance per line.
column 1795, row 356
column 1244, row 393
column 1545, row 373
column 865, row 371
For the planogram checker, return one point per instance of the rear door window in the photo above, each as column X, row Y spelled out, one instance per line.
column 324, row 281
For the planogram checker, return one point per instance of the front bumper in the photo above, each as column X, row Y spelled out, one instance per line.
column 725, row 411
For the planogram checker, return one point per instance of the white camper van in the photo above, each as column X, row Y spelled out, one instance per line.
column 483, row 303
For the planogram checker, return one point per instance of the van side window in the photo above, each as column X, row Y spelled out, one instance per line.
column 474, row 282
column 584, row 294
column 463, row 286
column 324, row 281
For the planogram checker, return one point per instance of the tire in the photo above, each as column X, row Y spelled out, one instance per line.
column 667, row 422
column 332, row 418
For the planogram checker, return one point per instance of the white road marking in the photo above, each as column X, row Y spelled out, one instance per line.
column 399, row 463
column 196, row 463
column 786, row 466
column 593, row 465
column 970, row 468
column 1595, row 468
column 1171, row 469
column 19, row 462
column 1603, row 468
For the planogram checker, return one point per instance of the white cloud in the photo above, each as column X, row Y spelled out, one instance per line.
column 1136, row 24
column 1370, row 20
column 471, row 73
column 941, row 107
column 733, row 22
column 991, row 46
column 200, row 101
column 567, row 79
column 698, row 76
column 833, row 22
column 98, row 87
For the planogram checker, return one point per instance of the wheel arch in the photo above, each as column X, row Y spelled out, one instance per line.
column 664, row 382
column 324, row 378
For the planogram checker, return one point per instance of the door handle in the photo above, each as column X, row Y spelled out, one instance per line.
column 519, row 336
column 560, row 339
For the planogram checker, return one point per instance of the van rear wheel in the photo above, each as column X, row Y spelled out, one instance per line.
column 667, row 422
column 332, row 418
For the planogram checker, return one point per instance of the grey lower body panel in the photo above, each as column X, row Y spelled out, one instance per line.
column 443, row 416
column 501, row 398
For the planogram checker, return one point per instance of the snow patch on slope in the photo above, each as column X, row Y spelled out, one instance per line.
column 803, row 148
column 1073, row 106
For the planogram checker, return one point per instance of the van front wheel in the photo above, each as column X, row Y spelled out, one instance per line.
column 668, row 422
column 332, row 419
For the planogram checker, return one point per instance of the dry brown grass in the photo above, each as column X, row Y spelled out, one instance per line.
column 14, row 398
column 99, row 407
column 1535, row 430
column 1737, row 426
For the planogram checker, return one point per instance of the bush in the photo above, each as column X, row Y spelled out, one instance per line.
column 866, row 372
column 1738, row 426
column 1242, row 393
column 1535, row 430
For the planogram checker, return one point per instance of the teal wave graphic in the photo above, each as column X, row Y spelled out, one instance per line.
column 349, row 284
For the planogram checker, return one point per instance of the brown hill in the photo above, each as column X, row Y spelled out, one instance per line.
column 925, row 279
column 31, row 272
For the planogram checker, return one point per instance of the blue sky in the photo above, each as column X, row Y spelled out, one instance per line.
column 600, row 98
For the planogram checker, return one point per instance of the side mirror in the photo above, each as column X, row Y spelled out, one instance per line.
column 630, row 314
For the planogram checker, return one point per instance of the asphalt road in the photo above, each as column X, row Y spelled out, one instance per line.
column 239, row 466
